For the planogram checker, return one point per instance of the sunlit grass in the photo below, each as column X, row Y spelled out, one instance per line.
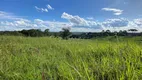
column 48, row 58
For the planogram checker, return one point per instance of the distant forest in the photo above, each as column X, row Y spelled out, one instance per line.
column 65, row 33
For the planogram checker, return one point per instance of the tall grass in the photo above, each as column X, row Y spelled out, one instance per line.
column 47, row 58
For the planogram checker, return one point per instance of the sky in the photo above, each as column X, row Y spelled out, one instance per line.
column 79, row 15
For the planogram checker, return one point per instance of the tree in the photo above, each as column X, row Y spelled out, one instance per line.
column 46, row 32
column 133, row 30
column 122, row 33
column 32, row 32
column 107, row 33
column 65, row 33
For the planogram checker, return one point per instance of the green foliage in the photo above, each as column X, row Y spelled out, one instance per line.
column 46, row 32
column 33, row 33
column 132, row 30
column 47, row 58
column 65, row 33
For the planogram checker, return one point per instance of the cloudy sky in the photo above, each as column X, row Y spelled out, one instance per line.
column 79, row 15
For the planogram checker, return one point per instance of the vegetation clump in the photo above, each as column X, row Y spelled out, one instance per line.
column 48, row 58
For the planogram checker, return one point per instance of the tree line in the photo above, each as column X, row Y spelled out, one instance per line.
column 65, row 33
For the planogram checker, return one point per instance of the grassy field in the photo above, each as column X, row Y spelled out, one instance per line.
column 48, row 58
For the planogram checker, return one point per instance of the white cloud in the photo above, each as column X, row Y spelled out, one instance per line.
column 10, row 16
column 44, row 9
column 114, row 10
column 116, row 22
column 15, row 25
column 77, row 21
column 49, row 7
column 138, row 22
column 41, row 9
column 81, row 24
column 35, row 24
column 90, row 18
column 111, row 24
column 38, row 21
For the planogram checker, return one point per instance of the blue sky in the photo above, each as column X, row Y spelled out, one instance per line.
column 80, row 15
